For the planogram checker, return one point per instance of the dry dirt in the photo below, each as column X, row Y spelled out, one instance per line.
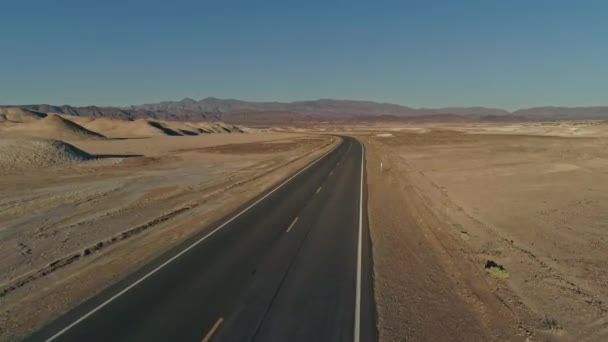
column 20, row 153
column 70, row 229
column 531, row 205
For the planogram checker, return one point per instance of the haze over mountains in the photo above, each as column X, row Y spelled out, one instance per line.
column 237, row 111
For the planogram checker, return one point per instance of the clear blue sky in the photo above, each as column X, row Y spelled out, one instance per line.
column 509, row 54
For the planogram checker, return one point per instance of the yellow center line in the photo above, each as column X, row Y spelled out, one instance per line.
column 319, row 189
column 292, row 224
column 331, row 173
column 217, row 324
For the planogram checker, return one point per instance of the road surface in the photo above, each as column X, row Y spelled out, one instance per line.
column 291, row 265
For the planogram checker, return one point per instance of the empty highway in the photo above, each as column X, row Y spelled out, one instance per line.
column 292, row 265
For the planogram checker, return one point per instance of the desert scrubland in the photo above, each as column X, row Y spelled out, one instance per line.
column 489, row 231
column 85, row 201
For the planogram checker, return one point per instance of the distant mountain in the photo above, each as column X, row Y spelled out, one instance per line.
column 320, row 108
column 245, row 112
column 125, row 113
column 557, row 113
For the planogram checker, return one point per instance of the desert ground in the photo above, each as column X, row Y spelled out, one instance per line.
column 489, row 231
column 480, row 231
column 79, row 213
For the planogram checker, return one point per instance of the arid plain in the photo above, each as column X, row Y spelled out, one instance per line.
column 489, row 231
column 78, row 214
column 480, row 231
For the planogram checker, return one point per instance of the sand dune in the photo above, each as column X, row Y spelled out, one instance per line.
column 195, row 128
column 24, row 153
column 125, row 128
column 53, row 127
column 19, row 115
column 20, row 122
column 81, row 120
column 183, row 128
column 207, row 127
column 218, row 127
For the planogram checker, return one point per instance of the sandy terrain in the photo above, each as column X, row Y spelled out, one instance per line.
column 483, row 236
column 19, row 122
column 480, row 232
column 23, row 154
column 74, row 226
column 581, row 128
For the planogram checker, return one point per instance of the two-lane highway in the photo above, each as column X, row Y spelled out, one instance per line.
column 292, row 265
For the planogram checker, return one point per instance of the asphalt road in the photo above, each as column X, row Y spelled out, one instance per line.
column 292, row 265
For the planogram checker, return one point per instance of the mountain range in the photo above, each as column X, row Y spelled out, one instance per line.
column 245, row 112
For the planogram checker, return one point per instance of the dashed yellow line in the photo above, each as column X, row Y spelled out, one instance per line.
column 292, row 224
column 216, row 326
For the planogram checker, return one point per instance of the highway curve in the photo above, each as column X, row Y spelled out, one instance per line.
column 292, row 265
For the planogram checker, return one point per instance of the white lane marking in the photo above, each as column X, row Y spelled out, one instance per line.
column 357, row 333
column 292, row 224
column 217, row 324
column 100, row 306
column 319, row 189
column 331, row 173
